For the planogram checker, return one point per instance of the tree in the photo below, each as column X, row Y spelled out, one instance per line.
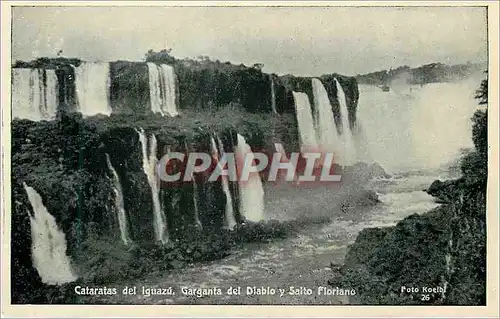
column 258, row 66
column 482, row 92
column 163, row 56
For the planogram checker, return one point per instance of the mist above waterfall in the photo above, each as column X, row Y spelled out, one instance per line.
column 415, row 127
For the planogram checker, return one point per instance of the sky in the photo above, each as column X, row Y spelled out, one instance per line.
column 304, row 41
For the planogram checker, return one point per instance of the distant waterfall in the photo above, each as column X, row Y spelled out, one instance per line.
column 162, row 89
column 346, row 136
column 229, row 220
column 34, row 94
column 273, row 95
column 92, row 88
column 149, row 166
column 251, row 191
column 327, row 133
column 48, row 244
column 119, row 204
column 305, row 120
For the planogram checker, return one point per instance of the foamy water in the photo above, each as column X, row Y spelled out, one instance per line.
column 303, row 260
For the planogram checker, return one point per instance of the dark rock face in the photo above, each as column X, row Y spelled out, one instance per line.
column 129, row 89
column 350, row 87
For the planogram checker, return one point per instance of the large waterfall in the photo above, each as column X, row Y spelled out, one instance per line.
column 162, row 89
column 119, row 204
column 347, row 137
column 34, row 94
column 229, row 220
column 92, row 88
column 48, row 244
column 419, row 127
column 307, row 132
column 149, row 166
column 327, row 133
column 251, row 191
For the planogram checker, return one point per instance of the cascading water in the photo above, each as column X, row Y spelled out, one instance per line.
column 48, row 244
column 119, row 204
column 34, row 94
column 424, row 128
column 251, row 191
column 349, row 154
column 149, row 166
column 229, row 220
column 169, row 106
column 21, row 102
column 92, row 88
column 162, row 89
column 273, row 95
column 51, row 99
column 307, row 132
column 154, row 88
column 327, row 133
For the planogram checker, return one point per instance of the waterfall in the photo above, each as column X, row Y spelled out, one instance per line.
column 51, row 95
column 34, row 94
column 119, row 204
column 48, row 250
column 251, row 191
column 169, row 106
column 92, row 88
column 305, row 121
column 273, row 95
column 424, row 130
column 229, row 220
column 154, row 88
column 149, row 165
column 347, row 138
column 162, row 89
column 327, row 133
